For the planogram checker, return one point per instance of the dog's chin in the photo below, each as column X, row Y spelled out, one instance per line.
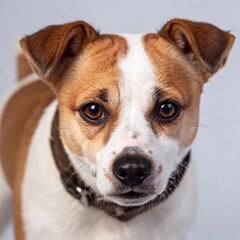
column 138, row 197
column 131, row 199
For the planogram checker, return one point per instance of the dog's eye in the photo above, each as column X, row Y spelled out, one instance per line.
column 93, row 112
column 168, row 111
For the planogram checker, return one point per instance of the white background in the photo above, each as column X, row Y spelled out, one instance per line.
column 217, row 147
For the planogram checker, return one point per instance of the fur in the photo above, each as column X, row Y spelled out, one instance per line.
column 130, row 76
column 170, row 220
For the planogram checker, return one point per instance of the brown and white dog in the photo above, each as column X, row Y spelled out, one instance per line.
column 108, row 157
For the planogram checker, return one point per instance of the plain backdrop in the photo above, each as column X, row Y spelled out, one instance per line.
column 217, row 146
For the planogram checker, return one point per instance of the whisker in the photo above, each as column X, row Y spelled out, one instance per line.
column 60, row 128
column 81, row 166
column 182, row 165
column 72, row 175
column 173, row 178
column 140, row 209
column 204, row 126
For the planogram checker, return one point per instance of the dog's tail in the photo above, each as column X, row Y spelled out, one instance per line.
column 22, row 66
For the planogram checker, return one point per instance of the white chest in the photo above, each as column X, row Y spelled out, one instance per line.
column 50, row 213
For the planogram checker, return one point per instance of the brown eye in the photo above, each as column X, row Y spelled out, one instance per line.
column 168, row 111
column 93, row 112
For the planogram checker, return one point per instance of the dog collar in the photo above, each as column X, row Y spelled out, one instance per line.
column 77, row 188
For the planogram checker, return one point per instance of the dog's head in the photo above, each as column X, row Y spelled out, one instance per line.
column 129, row 104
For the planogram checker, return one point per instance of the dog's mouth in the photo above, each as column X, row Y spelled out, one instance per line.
column 132, row 195
column 131, row 198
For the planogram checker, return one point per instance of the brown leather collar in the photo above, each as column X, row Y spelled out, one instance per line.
column 76, row 187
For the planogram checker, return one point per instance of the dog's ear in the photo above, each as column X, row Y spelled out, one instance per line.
column 205, row 45
column 50, row 50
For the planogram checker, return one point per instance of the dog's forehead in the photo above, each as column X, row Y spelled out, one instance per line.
column 131, row 64
column 152, row 63
column 137, row 73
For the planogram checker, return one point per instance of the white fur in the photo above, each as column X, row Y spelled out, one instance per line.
column 50, row 213
column 136, row 90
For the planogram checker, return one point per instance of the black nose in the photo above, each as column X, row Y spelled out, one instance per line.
column 132, row 170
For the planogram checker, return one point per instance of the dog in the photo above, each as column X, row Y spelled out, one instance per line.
column 97, row 143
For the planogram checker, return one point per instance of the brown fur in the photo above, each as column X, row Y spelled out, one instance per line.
column 73, row 58
column 93, row 67
column 77, row 62
column 191, row 48
column 205, row 45
column 95, row 70
column 50, row 50
column 23, row 68
column 19, row 121
column 178, row 81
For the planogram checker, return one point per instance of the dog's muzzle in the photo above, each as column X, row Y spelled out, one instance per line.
column 130, row 173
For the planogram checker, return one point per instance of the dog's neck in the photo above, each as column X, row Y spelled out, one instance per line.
column 77, row 188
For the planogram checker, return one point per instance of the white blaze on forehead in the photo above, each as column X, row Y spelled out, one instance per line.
column 137, row 75
column 136, row 86
column 136, row 83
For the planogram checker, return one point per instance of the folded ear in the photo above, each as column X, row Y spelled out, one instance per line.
column 50, row 50
column 205, row 45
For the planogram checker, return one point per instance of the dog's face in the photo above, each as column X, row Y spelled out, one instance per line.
column 129, row 104
column 140, row 108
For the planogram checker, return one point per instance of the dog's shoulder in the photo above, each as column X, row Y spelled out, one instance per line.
column 19, row 119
